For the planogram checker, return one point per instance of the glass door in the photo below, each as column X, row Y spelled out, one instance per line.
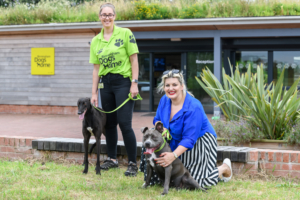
column 196, row 62
column 144, row 82
column 161, row 63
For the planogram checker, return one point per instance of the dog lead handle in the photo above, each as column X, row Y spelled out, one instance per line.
column 99, row 99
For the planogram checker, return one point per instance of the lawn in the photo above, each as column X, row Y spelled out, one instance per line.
column 36, row 180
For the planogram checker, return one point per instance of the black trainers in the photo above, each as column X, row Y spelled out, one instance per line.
column 108, row 163
column 131, row 170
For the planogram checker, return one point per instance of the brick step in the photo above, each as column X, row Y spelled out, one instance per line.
column 76, row 145
column 235, row 154
column 283, row 163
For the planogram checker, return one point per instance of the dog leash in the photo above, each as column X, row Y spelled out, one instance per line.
column 138, row 97
column 168, row 136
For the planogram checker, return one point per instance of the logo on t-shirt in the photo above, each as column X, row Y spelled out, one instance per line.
column 119, row 42
column 100, row 51
column 132, row 39
column 109, row 61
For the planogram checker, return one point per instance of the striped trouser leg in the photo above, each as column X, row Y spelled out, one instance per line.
column 201, row 161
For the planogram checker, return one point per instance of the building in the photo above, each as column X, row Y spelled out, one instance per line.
column 189, row 45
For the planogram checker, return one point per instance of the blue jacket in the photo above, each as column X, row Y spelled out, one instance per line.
column 187, row 125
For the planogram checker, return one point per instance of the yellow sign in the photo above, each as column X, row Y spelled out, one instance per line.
column 42, row 61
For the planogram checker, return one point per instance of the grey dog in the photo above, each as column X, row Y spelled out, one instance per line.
column 174, row 175
column 93, row 124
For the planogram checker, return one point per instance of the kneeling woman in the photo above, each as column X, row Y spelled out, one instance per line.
column 193, row 137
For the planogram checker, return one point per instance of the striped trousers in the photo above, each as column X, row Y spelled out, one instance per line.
column 200, row 161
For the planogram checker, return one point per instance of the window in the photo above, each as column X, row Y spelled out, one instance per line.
column 290, row 60
column 245, row 59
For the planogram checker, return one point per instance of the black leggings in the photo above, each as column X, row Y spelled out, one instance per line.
column 114, row 93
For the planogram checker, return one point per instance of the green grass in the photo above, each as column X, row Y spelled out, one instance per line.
column 61, row 11
column 22, row 180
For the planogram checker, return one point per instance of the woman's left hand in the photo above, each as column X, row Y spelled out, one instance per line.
column 165, row 159
column 134, row 90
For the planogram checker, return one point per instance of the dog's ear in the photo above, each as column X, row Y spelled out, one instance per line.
column 144, row 129
column 159, row 127
column 88, row 102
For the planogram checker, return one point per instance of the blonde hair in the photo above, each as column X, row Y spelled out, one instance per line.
column 107, row 5
column 170, row 74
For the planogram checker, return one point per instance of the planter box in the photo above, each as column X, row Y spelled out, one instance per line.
column 262, row 144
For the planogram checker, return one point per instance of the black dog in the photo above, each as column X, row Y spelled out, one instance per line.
column 175, row 174
column 93, row 124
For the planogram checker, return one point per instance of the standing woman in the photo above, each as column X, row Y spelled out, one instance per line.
column 193, row 137
column 114, row 55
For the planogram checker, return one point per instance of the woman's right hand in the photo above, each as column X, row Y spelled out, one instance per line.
column 94, row 100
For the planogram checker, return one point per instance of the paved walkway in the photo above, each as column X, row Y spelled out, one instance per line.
column 67, row 126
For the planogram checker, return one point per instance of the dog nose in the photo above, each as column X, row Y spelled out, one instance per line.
column 147, row 144
column 79, row 113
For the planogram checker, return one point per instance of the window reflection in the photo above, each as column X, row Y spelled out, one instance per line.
column 245, row 59
column 290, row 60
column 196, row 62
column 144, row 83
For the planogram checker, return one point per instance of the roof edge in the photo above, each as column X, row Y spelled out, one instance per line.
column 159, row 23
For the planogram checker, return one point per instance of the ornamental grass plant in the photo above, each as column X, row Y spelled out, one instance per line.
column 67, row 11
column 271, row 109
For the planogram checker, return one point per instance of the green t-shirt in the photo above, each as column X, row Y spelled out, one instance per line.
column 113, row 55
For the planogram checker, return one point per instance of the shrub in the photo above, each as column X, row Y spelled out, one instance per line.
column 237, row 132
column 271, row 108
column 145, row 10
column 194, row 11
column 223, row 94
column 49, row 11
column 293, row 134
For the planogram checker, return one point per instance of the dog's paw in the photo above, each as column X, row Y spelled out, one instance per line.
column 85, row 171
column 98, row 170
column 144, row 186
column 164, row 193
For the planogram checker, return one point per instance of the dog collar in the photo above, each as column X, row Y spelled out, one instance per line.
column 162, row 146
column 169, row 137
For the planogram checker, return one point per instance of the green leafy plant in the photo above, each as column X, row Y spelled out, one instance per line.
column 292, row 136
column 272, row 109
column 223, row 94
column 236, row 132
column 52, row 11
column 145, row 10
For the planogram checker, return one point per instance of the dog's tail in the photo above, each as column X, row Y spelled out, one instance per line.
column 92, row 148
